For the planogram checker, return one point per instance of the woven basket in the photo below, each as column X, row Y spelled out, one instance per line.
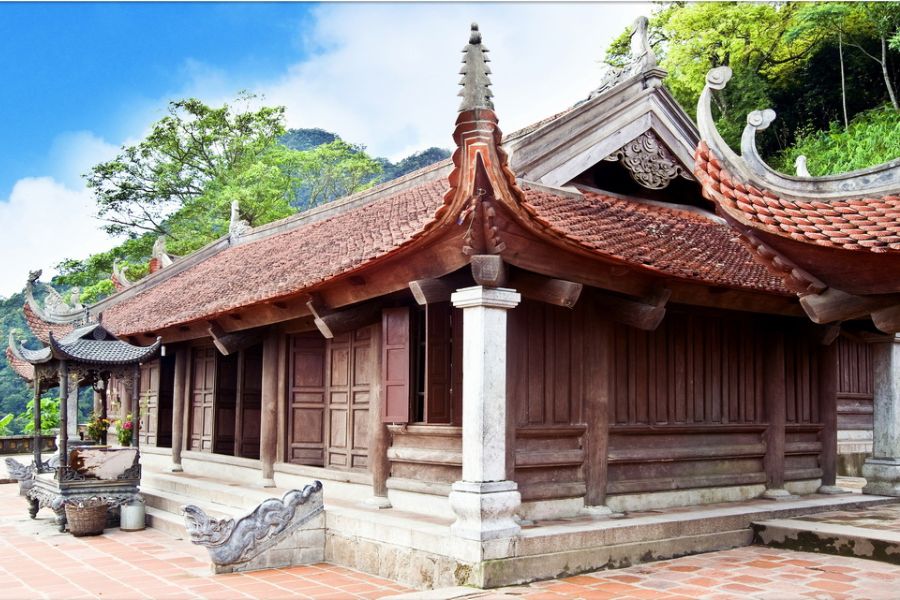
column 86, row 520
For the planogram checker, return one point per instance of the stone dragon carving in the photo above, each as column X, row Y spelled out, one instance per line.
column 230, row 541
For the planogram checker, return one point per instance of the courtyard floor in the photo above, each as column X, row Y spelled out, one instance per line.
column 36, row 561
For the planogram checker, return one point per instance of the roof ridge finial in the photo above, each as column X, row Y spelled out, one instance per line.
column 475, row 73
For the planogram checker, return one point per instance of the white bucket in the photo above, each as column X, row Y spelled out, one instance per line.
column 131, row 516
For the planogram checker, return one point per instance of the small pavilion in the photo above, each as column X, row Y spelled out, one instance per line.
column 88, row 354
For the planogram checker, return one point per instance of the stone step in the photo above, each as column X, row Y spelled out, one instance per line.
column 829, row 538
column 166, row 522
column 206, row 491
column 172, row 503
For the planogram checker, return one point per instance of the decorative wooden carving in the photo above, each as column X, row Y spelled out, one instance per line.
column 232, row 542
column 649, row 161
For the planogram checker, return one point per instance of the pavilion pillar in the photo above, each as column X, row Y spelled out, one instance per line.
column 72, row 409
column 37, row 422
column 135, row 405
column 600, row 365
column 63, row 443
column 484, row 501
column 882, row 470
column 268, row 430
column 178, row 392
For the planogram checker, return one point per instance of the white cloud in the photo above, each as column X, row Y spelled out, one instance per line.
column 384, row 75
column 73, row 153
column 45, row 222
column 387, row 74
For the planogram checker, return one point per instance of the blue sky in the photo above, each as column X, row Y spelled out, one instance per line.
column 80, row 80
column 79, row 67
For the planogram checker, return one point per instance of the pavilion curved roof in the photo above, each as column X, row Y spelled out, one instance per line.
column 90, row 344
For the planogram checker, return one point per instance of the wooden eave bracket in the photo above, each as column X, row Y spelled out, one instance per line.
column 645, row 314
column 229, row 343
column 558, row 292
column 334, row 322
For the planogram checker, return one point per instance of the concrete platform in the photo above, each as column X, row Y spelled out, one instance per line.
column 862, row 532
column 418, row 550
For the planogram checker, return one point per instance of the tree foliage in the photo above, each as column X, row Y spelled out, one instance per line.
column 873, row 137
column 784, row 55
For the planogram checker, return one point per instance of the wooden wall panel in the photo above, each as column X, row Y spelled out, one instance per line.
column 692, row 369
column 203, row 382
column 227, row 368
column 250, row 402
column 855, row 385
column 330, row 384
column 149, row 403
column 306, row 402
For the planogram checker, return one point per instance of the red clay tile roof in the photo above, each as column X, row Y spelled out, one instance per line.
column 23, row 369
column 871, row 224
column 41, row 328
column 673, row 242
column 282, row 264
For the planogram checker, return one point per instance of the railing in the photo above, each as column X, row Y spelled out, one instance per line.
column 24, row 444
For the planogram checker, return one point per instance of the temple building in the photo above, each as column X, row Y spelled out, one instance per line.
column 487, row 359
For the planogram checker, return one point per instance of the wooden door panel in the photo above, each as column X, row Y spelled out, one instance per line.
column 149, row 403
column 203, row 370
column 307, row 384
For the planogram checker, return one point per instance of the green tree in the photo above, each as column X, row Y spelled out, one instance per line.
column 331, row 171
column 5, row 425
column 187, row 149
column 49, row 416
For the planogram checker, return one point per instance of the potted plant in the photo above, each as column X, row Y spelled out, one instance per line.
column 97, row 428
column 124, row 430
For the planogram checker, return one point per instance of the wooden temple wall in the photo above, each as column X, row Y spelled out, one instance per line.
column 596, row 408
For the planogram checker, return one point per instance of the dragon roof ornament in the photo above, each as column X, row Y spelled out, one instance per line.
column 872, row 181
column 643, row 59
column 56, row 309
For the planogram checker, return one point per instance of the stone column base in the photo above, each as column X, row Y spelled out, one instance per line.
column 176, row 468
column 882, row 476
column 778, row 494
column 377, row 502
column 485, row 511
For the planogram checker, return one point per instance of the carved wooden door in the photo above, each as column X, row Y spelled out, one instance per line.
column 307, row 383
column 149, row 403
column 348, row 398
column 203, row 381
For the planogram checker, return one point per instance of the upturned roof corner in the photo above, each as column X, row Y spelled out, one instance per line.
column 481, row 177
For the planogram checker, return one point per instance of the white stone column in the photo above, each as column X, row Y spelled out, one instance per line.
column 484, row 501
column 882, row 471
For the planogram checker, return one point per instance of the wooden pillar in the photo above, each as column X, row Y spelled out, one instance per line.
column 37, row 422
column 379, row 438
column 63, row 414
column 239, row 405
column 268, row 428
column 828, row 374
column 882, row 470
column 135, row 405
column 281, row 417
column 178, row 393
column 775, row 399
column 599, row 363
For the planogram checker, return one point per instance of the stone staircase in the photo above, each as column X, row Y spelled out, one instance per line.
column 166, row 493
column 871, row 532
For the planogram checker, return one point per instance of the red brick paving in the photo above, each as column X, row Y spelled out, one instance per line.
column 36, row 561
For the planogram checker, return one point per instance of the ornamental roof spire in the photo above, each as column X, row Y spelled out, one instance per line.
column 475, row 73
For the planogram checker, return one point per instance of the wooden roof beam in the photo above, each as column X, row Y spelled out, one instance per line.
column 834, row 305
column 334, row 322
column 229, row 343
column 887, row 319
